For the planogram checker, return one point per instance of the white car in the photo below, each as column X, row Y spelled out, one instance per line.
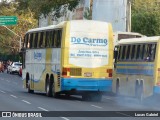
column 14, row 67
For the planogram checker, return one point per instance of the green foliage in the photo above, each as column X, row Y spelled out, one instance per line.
column 88, row 14
column 9, row 42
column 146, row 17
column 44, row 7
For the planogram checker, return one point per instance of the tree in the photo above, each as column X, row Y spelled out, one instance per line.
column 44, row 7
column 146, row 17
column 9, row 42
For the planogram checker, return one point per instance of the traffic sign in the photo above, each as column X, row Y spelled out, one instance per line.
column 8, row 20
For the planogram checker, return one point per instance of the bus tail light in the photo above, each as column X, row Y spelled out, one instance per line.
column 110, row 75
column 109, row 71
column 65, row 70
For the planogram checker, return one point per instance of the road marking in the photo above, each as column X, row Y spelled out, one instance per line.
column 26, row 101
column 123, row 114
column 96, row 106
column 42, row 109
column 13, row 96
column 65, row 118
column 2, row 91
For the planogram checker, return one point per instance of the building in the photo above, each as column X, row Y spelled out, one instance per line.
column 116, row 12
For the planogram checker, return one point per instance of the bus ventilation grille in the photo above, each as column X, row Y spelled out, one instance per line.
column 75, row 71
column 58, row 78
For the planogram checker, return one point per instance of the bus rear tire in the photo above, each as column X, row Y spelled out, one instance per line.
column 49, row 87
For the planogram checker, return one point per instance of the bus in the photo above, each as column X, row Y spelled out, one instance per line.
column 73, row 57
column 137, row 71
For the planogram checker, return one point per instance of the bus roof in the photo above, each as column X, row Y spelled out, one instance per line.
column 139, row 40
column 60, row 25
column 47, row 28
column 130, row 33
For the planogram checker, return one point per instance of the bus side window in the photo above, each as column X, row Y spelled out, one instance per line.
column 119, row 52
column 38, row 39
column 123, row 52
column 35, row 40
column 53, row 39
column 142, row 52
column 44, row 40
column 133, row 52
column 47, row 39
column 31, row 40
column 128, row 52
column 138, row 51
column 41, row 45
column 28, row 41
column 59, row 36
column 115, row 52
column 153, row 51
column 50, row 37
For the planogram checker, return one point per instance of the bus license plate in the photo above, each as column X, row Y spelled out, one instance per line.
column 88, row 74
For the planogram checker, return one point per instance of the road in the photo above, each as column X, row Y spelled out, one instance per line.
column 13, row 97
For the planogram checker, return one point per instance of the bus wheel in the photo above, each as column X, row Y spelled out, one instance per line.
column 139, row 91
column 29, row 89
column 54, row 94
column 49, row 89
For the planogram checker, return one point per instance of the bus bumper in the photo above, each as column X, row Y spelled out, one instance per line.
column 157, row 89
column 86, row 84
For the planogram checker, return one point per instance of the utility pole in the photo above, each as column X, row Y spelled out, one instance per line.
column 128, row 16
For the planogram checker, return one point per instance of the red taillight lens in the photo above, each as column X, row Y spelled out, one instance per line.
column 65, row 70
column 109, row 70
column 110, row 75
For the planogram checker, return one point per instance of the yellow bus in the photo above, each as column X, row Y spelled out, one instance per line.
column 73, row 57
column 137, row 72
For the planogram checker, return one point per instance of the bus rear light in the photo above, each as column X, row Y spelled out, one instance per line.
column 109, row 71
column 110, row 75
column 65, row 71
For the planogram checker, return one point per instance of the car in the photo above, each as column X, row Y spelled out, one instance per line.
column 14, row 67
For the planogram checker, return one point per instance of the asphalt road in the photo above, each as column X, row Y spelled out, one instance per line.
column 13, row 97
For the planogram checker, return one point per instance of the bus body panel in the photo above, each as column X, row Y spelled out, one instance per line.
column 86, row 84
